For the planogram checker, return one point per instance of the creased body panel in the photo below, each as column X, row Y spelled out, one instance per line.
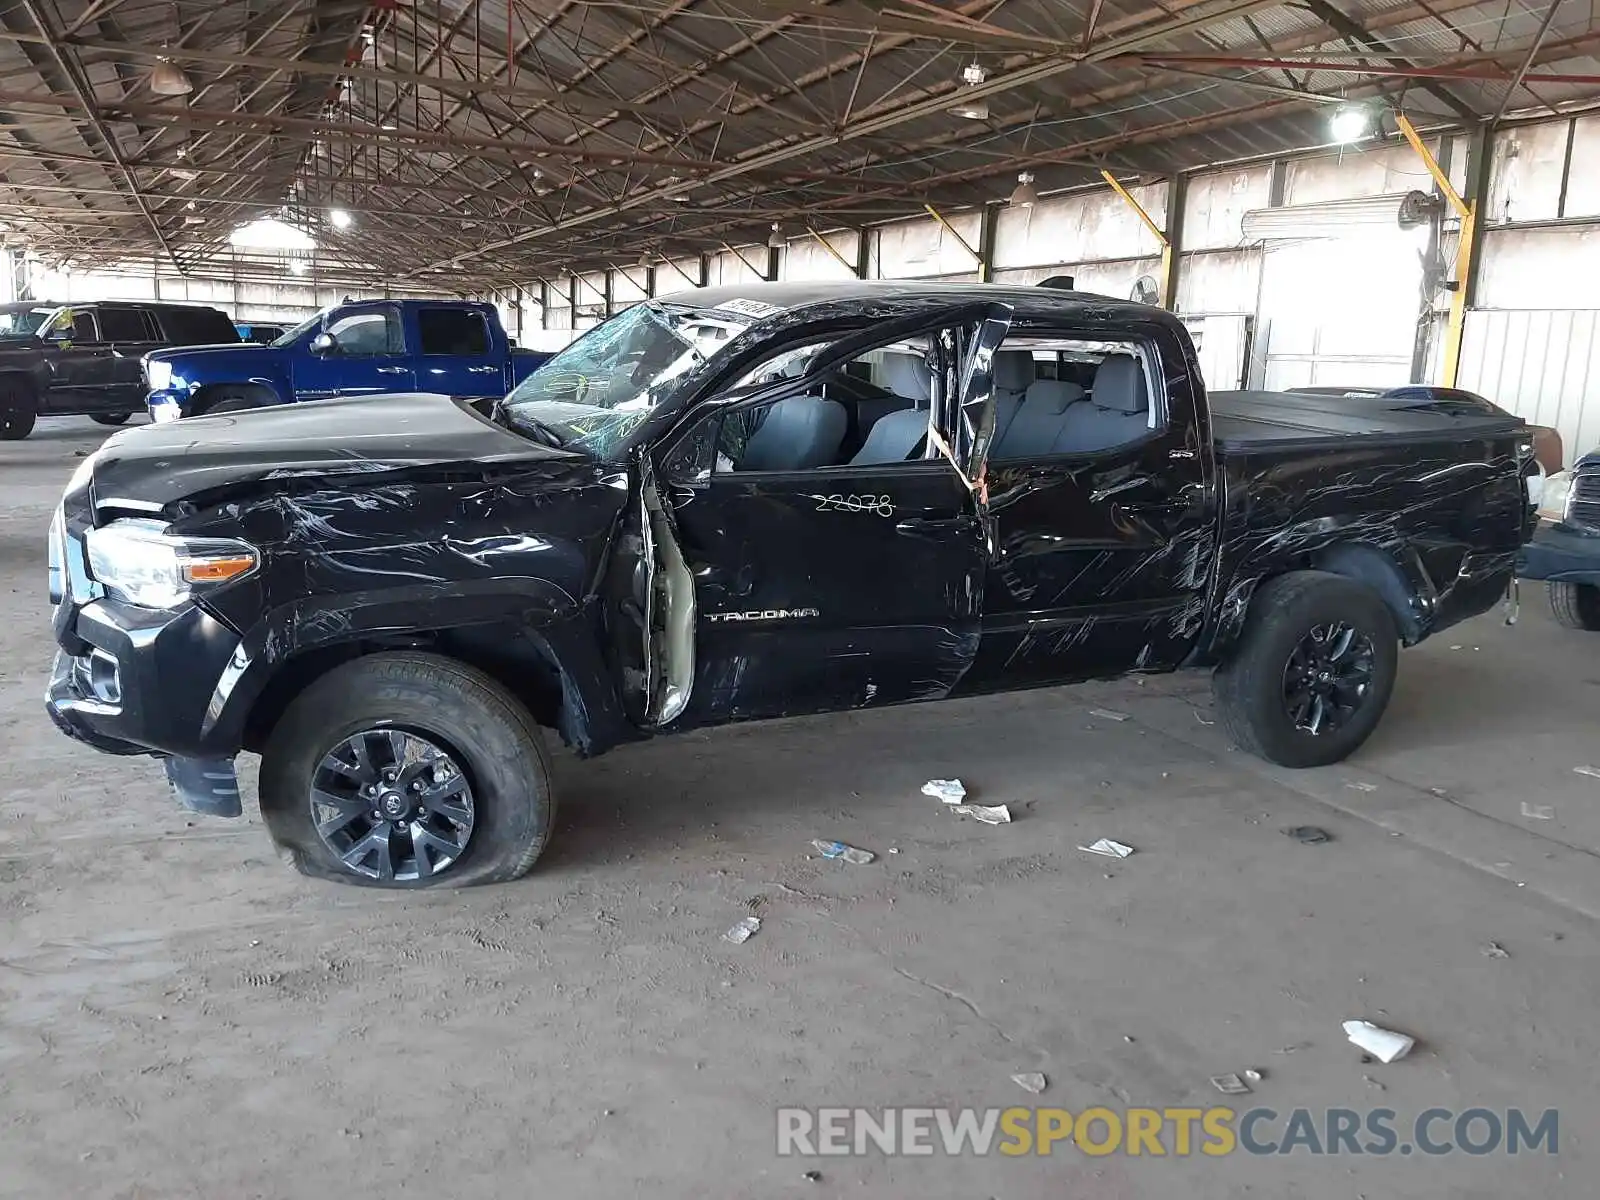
column 1435, row 526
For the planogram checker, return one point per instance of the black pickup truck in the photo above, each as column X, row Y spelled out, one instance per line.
column 743, row 503
column 83, row 360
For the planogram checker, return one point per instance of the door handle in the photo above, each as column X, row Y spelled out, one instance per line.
column 936, row 526
column 483, row 370
column 391, row 370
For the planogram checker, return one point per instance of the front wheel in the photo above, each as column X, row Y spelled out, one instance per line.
column 18, row 411
column 407, row 771
column 1313, row 670
column 1576, row 605
column 110, row 418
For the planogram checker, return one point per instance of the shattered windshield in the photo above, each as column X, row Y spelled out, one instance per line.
column 592, row 394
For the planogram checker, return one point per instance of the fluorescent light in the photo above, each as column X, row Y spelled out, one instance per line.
column 341, row 219
column 1350, row 123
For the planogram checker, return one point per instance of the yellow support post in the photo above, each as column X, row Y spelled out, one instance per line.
column 1161, row 234
column 829, row 247
column 961, row 241
column 1468, row 212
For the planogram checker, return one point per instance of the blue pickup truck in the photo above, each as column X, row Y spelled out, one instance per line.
column 359, row 348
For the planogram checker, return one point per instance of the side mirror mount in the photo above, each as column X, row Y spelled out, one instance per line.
column 323, row 345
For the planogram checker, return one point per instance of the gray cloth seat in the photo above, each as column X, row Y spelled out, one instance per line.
column 799, row 433
column 1013, row 375
column 895, row 427
column 1039, row 421
column 1117, row 411
column 893, row 438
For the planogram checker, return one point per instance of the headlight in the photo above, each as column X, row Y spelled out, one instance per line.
column 140, row 563
column 1553, row 499
column 158, row 375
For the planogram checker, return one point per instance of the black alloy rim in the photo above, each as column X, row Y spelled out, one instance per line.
column 392, row 805
column 1327, row 678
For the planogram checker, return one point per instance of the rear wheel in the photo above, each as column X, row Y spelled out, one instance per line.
column 1576, row 605
column 110, row 418
column 18, row 410
column 1313, row 670
column 407, row 771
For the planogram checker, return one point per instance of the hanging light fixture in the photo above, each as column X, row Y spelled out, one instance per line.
column 1350, row 123
column 168, row 79
column 341, row 219
column 644, row 259
column 775, row 239
column 1023, row 195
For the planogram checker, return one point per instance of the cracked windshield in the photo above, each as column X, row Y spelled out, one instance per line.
column 592, row 394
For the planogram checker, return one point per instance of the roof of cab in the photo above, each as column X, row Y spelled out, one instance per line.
column 790, row 295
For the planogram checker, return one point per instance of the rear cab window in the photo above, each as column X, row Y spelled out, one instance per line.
column 126, row 325
column 1059, row 394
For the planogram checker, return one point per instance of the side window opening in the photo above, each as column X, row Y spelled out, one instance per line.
column 367, row 334
column 869, row 411
column 452, row 331
column 1073, row 394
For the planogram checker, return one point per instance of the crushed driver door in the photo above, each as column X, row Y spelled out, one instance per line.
column 839, row 587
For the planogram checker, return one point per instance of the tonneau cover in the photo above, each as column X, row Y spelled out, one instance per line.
column 1249, row 421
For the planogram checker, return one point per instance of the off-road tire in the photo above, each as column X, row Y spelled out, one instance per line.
column 110, row 418
column 1576, row 605
column 491, row 736
column 1249, row 686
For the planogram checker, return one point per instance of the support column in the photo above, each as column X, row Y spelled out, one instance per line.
column 1172, row 255
column 1169, row 271
column 988, row 234
column 863, row 253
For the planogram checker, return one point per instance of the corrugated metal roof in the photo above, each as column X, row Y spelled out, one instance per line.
column 487, row 141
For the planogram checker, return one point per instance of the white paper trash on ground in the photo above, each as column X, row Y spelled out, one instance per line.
column 1108, row 848
column 989, row 814
column 951, row 791
column 741, row 932
column 1385, row 1045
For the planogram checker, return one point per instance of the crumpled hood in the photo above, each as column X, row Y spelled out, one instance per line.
column 155, row 465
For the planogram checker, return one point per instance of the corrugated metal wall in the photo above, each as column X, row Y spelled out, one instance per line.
column 1543, row 365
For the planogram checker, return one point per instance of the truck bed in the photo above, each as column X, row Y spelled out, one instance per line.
column 1249, row 422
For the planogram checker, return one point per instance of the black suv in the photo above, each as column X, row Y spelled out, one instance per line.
column 84, row 359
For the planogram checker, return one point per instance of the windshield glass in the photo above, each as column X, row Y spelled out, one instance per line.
column 25, row 321
column 293, row 334
column 593, row 393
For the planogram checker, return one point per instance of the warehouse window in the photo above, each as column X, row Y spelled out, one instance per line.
column 452, row 331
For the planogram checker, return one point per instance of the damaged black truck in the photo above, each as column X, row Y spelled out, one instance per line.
column 739, row 504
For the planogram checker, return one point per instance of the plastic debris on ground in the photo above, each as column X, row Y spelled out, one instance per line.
column 1538, row 812
column 951, row 791
column 1109, row 714
column 1309, row 835
column 1254, row 1074
column 1385, row 1045
column 1108, row 848
column 741, row 932
column 1592, row 771
column 1030, row 1081
column 989, row 814
column 1230, row 1085
column 1363, row 787
column 1494, row 950
column 850, row 854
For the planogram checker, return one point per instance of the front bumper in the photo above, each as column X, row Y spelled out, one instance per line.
column 1562, row 554
column 147, row 682
column 167, row 405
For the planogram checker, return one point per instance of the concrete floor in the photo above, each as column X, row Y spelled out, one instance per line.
column 181, row 1016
